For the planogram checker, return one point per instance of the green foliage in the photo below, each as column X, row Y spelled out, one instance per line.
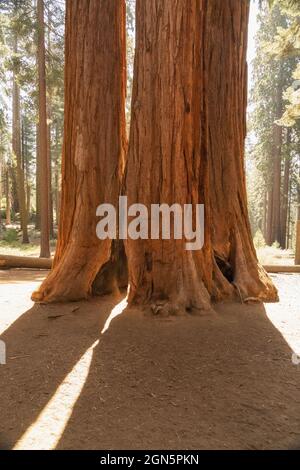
column 287, row 44
column 272, row 93
column 18, row 58
column 292, row 96
column 10, row 235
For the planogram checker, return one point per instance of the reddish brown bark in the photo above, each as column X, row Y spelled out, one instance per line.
column 187, row 131
column 167, row 151
column 225, row 58
column 94, row 141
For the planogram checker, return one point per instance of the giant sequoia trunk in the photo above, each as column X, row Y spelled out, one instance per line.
column 167, row 158
column 187, row 146
column 94, row 139
column 235, row 265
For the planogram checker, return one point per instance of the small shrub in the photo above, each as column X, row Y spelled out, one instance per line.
column 10, row 235
column 259, row 241
column 276, row 245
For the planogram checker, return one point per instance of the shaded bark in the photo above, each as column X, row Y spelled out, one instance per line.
column 94, row 142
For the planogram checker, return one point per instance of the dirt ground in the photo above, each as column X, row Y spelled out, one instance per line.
column 77, row 378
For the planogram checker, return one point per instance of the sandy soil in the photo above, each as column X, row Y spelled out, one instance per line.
column 218, row 382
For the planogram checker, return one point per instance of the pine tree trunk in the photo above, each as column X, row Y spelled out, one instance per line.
column 276, row 222
column 50, row 203
column 1, row 188
column 57, row 178
column 43, row 135
column 49, row 109
column 269, row 217
column 17, row 151
column 94, row 142
column 285, row 194
column 297, row 247
column 7, row 197
column 38, row 183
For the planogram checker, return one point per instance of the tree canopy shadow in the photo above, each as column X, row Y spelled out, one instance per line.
column 43, row 345
column 189, row 383
column 222, row 381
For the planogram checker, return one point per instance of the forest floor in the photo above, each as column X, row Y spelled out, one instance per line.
column 88, row 376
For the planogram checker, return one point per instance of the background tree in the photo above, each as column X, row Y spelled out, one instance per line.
column 272, row 147
column 19, row 19
column 93, row 154
column 43, row 135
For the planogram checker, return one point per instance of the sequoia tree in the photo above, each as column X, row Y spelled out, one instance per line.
column 94, row 142
column 186, row 146
column 187, row 132
column 235, row 262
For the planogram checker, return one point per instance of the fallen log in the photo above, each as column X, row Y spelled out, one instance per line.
column 8, row 261
column 276, row 268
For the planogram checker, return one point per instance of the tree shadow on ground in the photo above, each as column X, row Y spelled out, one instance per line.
column 222, row 381
column 189, row 383
column 43, row 346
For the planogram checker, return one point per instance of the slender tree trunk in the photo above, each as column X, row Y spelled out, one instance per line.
column 297, row 247
column 1, row 186
column 265, row 209
column 276, row 222
column 285, row 194
column 276, row 156
column 25, row 167
column 269, row 217
column 49, row 108
column 57, row 178
column 43, row 135
column 51, row 227
column 7, row 196
column 17, row 151
column 37, row 183
column 94, row 142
